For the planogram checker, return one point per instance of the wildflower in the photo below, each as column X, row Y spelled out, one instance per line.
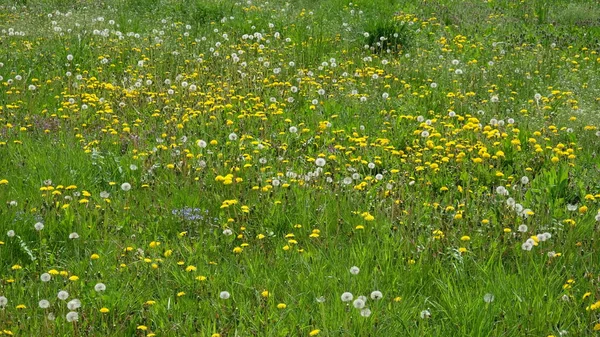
column 347, row 297
column 142, row 327
column 73, row 236
column 44, row 304
column 224, row 295
column 38, row 226
column 527, row 246
column 366, row 312
column 320, row 162
column 281, row 306
column 425, row 314
column 358, row 303
column 94, row 256
column 21, row 306
column 522, row 228
column 3, row 301
column 314, row 332
column 45, row 277
column 126, row 186
column 72, row 317
column 376, row 295
column 74, row 304
column 100, row 287
column 354, row 270
column 104, row 310
column 63, row 295
column 488, row 298
column 10, row 233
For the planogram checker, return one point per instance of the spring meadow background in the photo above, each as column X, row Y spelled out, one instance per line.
column 301, row 168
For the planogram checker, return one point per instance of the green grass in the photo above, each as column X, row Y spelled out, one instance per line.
column 272, row 146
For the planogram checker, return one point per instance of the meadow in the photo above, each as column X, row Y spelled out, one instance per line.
column 302, row 168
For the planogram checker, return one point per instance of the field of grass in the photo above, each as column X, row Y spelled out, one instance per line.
column 301, row 168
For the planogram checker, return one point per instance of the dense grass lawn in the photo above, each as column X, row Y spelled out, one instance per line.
column 301, row 168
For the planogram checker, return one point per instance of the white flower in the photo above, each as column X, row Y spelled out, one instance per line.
column 3, row 301
column 376, row 295
column 45, row 277
column 38, row 226
column 425, row 314
column 293, row 129
column 73, row 236
column 358, row 303
column 501, row 190
column 433, row 85
column 527, row 246
column 365, row 312
column 347, row 181
column 522, row 228
column 62, row 295
column 72, row 317
column 201, row 143
column 227, row 232
column 524, row 180
column 572, row 208
column 320, row 162
column 51, row 317
column 347, row 297
column 10, row 233
column 104, row 194
column 371, row 165
column 44, row 304
column 100, row 287
column 74, row 304
column 354, row 270
column 425, row 134
column 125, row 186
column 224, row 295
column 488, row 298
column 233, row 136
column 320, row 299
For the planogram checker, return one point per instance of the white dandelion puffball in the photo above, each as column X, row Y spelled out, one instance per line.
column 74, row 304
column 125, row 186
column 38, row 226
column 366, row 312
column 72, row 317
column 224, row 295
column 488, row 298
column 347, row 297
column 100, row 287
column 425, row 314
column 320, row 162
column 358, row 303
column 3, row 301
column 45, row 277
column 62, row 295
column 376, row 295
column 354, row 270
column 44, row 304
